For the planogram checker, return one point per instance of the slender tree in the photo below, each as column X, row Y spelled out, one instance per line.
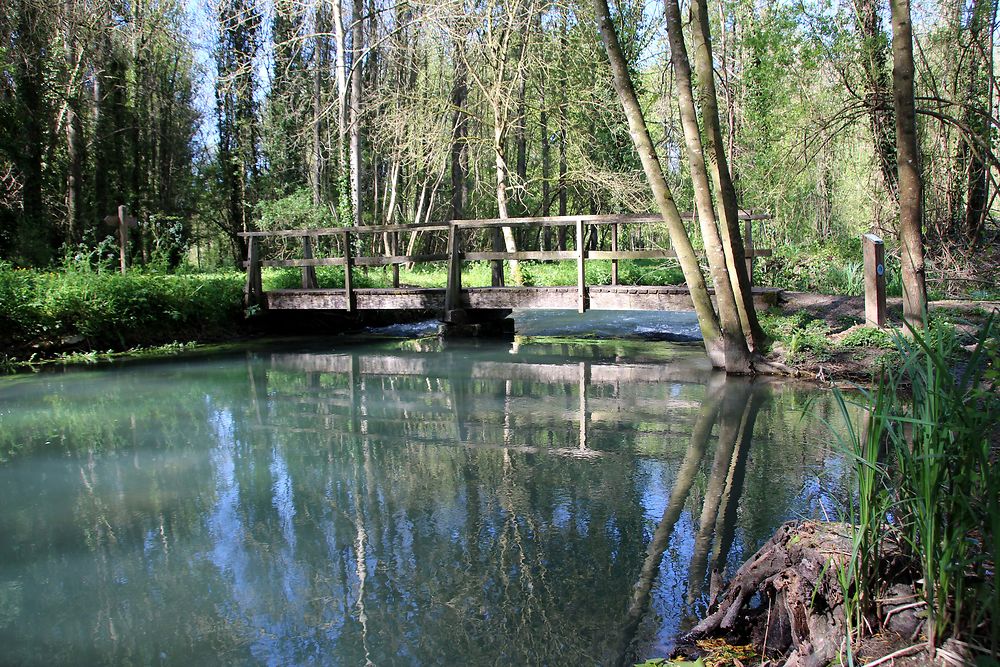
column 910, row 185
column 715, row 345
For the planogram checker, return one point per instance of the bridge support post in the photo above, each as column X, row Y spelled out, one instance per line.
column 394, row 236
column 308, row 272
column 253, row 290
column 748, row 247
column 348, row 283
column 581, row 274
column 614, row 249
column 453, row 311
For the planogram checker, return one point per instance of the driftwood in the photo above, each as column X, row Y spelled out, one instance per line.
column 788, row 597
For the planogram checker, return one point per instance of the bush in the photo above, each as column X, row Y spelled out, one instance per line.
column 867, row 337
column 109, row 310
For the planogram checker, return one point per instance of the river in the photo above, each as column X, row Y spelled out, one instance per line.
column 392, row 502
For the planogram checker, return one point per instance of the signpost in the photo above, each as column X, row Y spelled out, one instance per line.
column 124, row 222
column 874, row 259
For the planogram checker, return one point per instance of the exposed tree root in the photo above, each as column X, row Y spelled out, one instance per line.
column 788, row 598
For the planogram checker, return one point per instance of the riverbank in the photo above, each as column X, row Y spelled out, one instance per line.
column 823, row 337
column 84, row 316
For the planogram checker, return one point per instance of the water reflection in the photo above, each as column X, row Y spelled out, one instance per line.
column 401, row 504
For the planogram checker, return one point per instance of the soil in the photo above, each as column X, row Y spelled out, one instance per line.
column 843, row 314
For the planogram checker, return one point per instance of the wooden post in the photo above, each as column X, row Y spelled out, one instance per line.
column 614, row 248
column 348, row 263
column 395, row 251
column 748, row 247
column 308, row 272
column 453, row 291
column 497, row 265
column 581, row 276
column 874, row 260
column 123, row 221
column 253, row 290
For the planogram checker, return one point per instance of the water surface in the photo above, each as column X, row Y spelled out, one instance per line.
column 395, row 503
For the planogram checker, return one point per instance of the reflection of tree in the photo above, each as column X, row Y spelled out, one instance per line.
column 732, row 404
column 700, row 435
column 371, row 506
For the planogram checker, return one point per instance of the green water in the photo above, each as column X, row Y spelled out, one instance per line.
column 392, row 504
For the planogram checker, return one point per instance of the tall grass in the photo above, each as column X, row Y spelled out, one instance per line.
column 108, row 310
column 925, row 470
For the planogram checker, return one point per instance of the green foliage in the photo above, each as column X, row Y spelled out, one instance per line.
column 108, row 310
column 800, row 332
column 294, row 211
column 934, row 488
column 867, row 337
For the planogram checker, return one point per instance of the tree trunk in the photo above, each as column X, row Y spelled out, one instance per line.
column 357, row 53
column 729, row 222
column 563, row 194
column 459, row 145
column 521, row 144
column 874, row 55
column 910, row 187
column 340, row 35
column 975, row 117
column 737, row 354
column 711, row 333
column 499, row 138
column 543, row 122
column 320, row 65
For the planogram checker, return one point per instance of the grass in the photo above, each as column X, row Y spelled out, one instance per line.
column 479, row 274
column 925, row 471
column 103, row 311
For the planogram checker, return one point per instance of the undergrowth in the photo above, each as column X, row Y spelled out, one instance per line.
column 924, row 463
column 106, row 310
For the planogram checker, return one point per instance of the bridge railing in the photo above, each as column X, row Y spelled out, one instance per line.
column 342, row 246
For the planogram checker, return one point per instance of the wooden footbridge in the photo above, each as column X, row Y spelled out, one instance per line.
column 595, row 237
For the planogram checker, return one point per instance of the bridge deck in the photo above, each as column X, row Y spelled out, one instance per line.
column 599, row 297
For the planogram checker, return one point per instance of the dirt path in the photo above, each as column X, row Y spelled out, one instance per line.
column 844, row 314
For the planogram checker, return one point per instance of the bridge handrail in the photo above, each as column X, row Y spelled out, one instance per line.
column 482, row 223
column 455, row 256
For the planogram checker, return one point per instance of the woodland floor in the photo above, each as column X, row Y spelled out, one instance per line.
column 844, row 314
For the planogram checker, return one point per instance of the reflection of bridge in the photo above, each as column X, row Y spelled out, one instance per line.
column 474, row 404
column 596, row 238
column 573, row 408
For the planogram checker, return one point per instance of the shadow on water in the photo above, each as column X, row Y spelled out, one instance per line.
column 400, row 503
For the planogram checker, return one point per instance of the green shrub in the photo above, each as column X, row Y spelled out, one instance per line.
column 867, row 337
column 111, row 310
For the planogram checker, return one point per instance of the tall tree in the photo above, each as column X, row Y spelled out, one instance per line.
column 239, row 25
column 724, row 296
column 715, row 343
column 732, row 240
column 910, row 185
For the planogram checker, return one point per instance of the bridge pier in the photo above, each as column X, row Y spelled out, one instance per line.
column 493, row 323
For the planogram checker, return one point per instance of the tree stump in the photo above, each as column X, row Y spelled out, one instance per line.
column 787, row 599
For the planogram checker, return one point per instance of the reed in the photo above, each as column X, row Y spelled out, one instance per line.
column 924, row 469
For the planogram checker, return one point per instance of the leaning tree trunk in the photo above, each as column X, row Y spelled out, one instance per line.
column 732, row 240
column 737, row 354
column 710, row 330
column 911, row 240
